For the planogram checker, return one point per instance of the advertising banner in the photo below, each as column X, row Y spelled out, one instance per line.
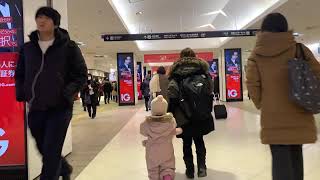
column 233, row 71
column 179, row 35
column 160, row 58
column 125, row 64
column 12, row 113
column 139, row 79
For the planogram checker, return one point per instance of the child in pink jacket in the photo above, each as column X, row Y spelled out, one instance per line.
column 160, row 128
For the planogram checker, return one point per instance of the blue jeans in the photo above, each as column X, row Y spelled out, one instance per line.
column 49, row 129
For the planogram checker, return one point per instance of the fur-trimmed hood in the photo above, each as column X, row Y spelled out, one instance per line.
column 187, row 66
column 165, row 118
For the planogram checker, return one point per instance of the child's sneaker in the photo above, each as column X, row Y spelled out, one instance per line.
column 167, row 177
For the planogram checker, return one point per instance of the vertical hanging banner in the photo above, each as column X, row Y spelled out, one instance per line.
column 233, row 70
column 139, row 79
column 12, row 113
column 125, row 66
column 214, row 72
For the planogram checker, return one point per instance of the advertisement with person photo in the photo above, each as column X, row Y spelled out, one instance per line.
column 126, row 78
column 12, row 117
column 233, row 74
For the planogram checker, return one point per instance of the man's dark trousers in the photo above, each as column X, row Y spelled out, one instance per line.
column 49, row 129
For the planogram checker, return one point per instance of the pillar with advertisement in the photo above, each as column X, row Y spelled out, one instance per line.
column 13, row 151
column 233, row 75
column 126, row 90
column 139, row 80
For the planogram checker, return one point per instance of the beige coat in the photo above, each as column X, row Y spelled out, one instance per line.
column 159, row 86
column 282, row 121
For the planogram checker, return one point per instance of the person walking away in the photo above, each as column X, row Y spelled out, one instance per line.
column 115, row 91
column 107, row 89
column 145, row 89
column 100, row 90
column 285, row 125
column 192, row 111
column 159, row 83
column 50, row 71
column 83, row 100
column 160, row 128
column 92, row 93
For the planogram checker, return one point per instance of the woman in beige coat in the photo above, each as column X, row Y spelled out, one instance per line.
column 285, row 125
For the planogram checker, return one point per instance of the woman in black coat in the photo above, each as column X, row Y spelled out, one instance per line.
column 145, row 88
column 91, row 97
column 187, row 66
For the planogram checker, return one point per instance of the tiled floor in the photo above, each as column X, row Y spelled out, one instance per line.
column 234, row 150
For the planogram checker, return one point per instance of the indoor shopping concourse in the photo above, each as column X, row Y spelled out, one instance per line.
column 159, row 90
column 234, row 151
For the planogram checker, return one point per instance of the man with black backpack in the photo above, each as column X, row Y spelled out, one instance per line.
column 190, row 101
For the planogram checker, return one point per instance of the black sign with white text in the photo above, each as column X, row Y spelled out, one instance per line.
column 179, row 35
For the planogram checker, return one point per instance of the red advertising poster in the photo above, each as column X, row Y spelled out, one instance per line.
column 233, row 74
column 7, row 38
column 159, row 58
column 12, row 126
column 12, row 113
column 125, row 79
column 139, row 79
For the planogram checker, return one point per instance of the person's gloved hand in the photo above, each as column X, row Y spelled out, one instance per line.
column 144, row 143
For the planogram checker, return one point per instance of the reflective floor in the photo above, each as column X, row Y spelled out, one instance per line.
column 234, row 151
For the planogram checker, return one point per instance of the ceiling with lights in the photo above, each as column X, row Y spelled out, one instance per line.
column 88, row 20
column 146, row 16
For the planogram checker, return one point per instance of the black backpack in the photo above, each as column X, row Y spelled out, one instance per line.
column 196, row 98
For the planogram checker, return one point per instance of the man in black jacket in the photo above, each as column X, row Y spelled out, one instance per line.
column 50, row 71
column 107, row 89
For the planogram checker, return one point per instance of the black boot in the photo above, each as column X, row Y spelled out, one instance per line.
column 202, row 172
column 189, row 167
column 190, row 173
column 66, row 170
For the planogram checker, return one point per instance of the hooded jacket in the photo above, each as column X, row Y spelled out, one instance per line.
column 181, row 69
column 282, row 121
column 160, row 131
column 52, row 79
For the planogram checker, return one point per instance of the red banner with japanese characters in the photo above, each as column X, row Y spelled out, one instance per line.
column 12, row 113
column 159, row 58
column 12, row 126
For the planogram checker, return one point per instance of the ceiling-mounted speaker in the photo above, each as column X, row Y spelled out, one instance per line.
column 135, row 1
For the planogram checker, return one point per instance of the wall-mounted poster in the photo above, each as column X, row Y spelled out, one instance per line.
column 139, row 79
column 12, row 113
column 233, row 69
column 214, row 72
column 126, row 91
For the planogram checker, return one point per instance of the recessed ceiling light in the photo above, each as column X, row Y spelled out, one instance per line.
column 207, row 25
column 215, row 12
column 139, row 13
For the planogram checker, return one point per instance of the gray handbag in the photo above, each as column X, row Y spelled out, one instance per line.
column 303, row 84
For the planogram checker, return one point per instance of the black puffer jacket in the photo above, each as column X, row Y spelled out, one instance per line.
column 183, row 68
column 50, row 80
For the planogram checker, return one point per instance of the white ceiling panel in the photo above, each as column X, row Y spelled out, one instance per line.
column 188, row 15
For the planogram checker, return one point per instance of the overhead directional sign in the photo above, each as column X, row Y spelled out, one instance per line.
column 179, row 35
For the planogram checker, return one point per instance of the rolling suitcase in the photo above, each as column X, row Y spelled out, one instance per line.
column 220, row 110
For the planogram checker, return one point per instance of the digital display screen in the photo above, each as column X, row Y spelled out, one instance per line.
column 233, row 69
column 125, row 63
column 12, row 113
